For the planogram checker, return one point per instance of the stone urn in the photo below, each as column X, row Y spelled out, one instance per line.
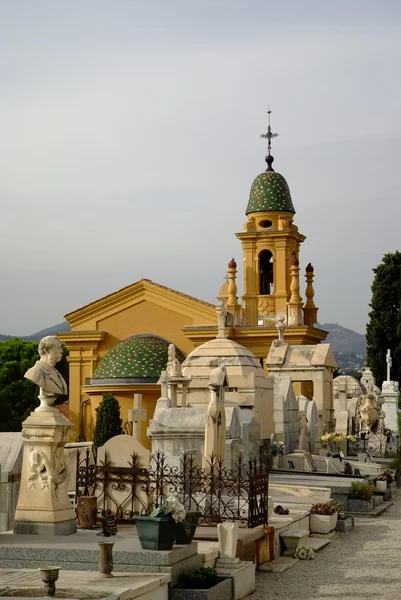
column 106, row 558
column 49, row 577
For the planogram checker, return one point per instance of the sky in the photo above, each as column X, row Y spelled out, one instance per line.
column 130, row 139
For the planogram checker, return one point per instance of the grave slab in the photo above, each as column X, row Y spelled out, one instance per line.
column 118, row 587
column 81, row 553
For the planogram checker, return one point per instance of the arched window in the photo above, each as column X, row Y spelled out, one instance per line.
column 266, row 272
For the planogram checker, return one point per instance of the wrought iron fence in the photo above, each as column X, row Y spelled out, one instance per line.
column 379, row 443
column 239, row 494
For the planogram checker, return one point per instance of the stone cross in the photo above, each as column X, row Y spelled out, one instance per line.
column 136, row 415
column 389, row 364
column 215, row 427
column 164, row 384
column 221, row 317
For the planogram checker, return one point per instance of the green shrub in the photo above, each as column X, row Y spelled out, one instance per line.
column 108, row 420
column 198, row 579
column 363, row 491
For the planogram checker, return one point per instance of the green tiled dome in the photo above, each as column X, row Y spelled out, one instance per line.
column 270, row 191
column 139, row 356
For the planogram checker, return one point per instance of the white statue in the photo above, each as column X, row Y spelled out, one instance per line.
column 173, row 364
column 44, row 374
column 280, row 330
column 368, row 409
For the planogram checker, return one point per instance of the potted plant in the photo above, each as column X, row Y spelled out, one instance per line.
column 323, row 518
column 204, row 584
column 277, row 450
column 157, row 531
column 360, row 497
column 384, row 480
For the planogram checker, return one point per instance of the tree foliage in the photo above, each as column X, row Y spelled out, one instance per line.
column 108, row 421
column 19, row 396
column 383, row 331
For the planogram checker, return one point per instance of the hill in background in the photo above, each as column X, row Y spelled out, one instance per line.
column 348, row 346
column 36, row 337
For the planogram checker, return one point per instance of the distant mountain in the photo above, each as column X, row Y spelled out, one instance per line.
column 36, row 337
column 348, row 346
column 344, row 340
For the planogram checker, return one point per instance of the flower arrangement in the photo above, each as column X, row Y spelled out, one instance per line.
column 277, row 448
column 325, row 508
column 281, row 510
column 386, row 476
column 324, row 439
column 304, row 552
column 173, row 508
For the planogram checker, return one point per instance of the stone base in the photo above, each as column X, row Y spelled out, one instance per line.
column 323, row 536
column 35, row 528
column 82, row 554
column 345, row 525
column 243, row 578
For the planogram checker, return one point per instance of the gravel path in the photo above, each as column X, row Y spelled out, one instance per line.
column 361, row 565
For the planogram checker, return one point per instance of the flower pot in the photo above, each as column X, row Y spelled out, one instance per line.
column 322, row 523
column 182, row 536
column 381, row 486
column 222, row 591
column 155, row 533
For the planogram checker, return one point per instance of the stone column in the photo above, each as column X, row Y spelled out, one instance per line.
column 310, row 310
column 295, row 303
column 43, row 504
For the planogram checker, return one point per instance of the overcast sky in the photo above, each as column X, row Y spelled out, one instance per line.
column 129, row 139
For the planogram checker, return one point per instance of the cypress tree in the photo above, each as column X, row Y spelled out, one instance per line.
column 383, row 331
column 108, row 421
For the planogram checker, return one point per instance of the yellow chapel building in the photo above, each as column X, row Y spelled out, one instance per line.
column 119, row 343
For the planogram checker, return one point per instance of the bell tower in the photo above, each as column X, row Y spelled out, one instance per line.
column 270, row 243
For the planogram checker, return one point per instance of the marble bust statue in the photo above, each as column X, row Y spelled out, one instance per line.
column 43, row 373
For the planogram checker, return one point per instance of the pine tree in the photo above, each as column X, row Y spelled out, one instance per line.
column 383, row 331
column 108, row 421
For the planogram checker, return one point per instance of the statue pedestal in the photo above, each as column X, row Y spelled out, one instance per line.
column 389, row 396
column 43, row 504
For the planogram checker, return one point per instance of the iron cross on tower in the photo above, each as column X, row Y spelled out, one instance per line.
column 269, row 135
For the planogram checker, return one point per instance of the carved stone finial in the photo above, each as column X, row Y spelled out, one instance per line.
column 309, row 268
column 294, row 260
column 232, row 264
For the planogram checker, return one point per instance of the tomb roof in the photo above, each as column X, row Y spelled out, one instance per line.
column 237, row 359
column 138, row 356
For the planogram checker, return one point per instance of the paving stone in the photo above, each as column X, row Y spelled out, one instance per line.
column 316, row 543
column 282, row 563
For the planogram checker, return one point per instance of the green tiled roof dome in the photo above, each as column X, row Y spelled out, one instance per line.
column 270, row 191
column 141, row 356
